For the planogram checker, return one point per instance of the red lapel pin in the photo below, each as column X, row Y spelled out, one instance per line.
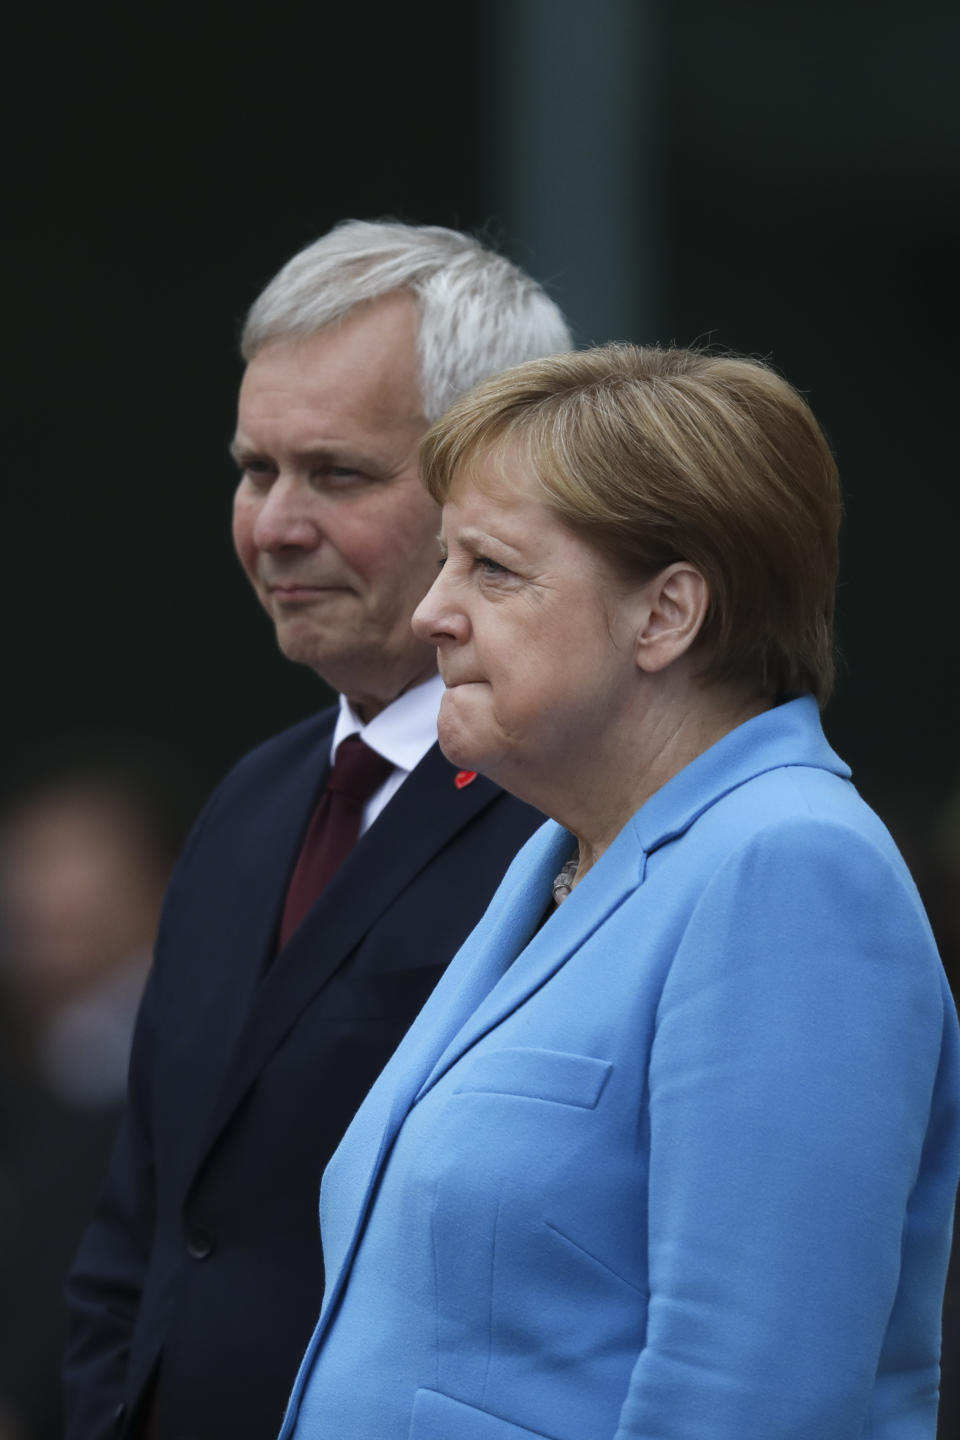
column 464, row 777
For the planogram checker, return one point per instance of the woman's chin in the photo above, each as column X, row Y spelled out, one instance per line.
column 457, row 750
column 458, row 743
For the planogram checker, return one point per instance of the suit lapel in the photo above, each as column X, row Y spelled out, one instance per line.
column 244, row 899
column 424, row 815
column 505, row 960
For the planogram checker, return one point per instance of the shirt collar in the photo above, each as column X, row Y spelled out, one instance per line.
column 403, row 732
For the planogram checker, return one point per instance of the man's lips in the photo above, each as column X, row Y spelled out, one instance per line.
column 302, row 593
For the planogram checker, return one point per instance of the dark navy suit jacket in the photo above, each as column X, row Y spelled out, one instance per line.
column 200, row 1277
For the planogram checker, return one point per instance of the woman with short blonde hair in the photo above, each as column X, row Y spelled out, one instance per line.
column 652, row 455
column 671, row 1152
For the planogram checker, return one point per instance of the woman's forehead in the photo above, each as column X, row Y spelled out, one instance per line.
column 503, row 470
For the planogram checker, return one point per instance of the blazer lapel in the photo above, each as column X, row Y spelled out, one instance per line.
column 424, row 815
column 504, row 961
column 790, row 734
column 616, row 875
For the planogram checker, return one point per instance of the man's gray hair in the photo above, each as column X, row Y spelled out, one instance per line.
column 479, row 314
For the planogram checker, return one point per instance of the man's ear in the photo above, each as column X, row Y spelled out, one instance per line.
column 676, row 607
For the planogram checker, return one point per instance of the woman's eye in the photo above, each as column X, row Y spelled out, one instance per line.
column 489, row 567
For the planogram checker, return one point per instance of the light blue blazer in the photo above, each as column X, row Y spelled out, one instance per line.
column 678, row 1164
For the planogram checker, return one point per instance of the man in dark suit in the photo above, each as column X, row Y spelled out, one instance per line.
column 283, row 982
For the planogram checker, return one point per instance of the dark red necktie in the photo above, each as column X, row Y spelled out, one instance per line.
column 357, row 772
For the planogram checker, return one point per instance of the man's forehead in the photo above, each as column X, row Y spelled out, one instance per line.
column 372, row 330
column 366, row 378
column 326, row 429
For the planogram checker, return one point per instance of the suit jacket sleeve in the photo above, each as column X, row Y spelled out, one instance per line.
column 105, row 1284
column 791, row 1085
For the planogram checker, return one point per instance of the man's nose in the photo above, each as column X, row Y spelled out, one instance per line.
column 285, row 518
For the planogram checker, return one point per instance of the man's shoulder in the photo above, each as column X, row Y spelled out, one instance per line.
column 273, row 774
column 297, row 743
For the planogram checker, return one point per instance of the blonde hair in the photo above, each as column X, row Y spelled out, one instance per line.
column 653, row 456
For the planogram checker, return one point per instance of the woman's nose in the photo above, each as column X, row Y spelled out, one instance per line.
column 436, row 619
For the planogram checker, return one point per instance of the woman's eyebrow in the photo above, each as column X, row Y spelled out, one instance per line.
column 473, row 539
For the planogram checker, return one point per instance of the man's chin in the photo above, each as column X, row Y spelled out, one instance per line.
column 305, row 649
column 357, row 664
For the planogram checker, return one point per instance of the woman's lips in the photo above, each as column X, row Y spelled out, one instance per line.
column 454, row 683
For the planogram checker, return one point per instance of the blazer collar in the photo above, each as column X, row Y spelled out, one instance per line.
column 789, row 734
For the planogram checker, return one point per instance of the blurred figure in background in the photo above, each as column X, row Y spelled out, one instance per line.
column 87, row 841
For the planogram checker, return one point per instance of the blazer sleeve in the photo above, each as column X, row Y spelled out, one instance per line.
column 793, row 1127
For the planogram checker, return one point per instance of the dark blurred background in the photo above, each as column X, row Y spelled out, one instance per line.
column 777, row 178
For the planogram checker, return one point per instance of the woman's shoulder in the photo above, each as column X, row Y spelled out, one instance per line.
column 797, row 811
column 792, row 855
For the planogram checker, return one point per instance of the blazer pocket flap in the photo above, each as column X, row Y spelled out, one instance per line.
column 539, row 1074
column 437, row 1417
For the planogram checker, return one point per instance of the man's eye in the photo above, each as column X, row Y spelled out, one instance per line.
column 489, row 567
column 258, row 472
column 337, row 475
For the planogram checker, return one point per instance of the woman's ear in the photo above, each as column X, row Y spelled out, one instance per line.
column 676, row 607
